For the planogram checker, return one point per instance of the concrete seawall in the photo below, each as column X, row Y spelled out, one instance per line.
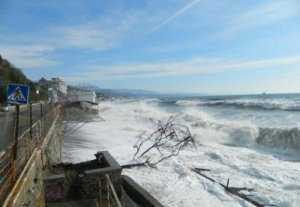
column 28, row 190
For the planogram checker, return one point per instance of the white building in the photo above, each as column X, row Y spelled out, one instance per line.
column 59, row 85
column 57, row 89
column 52, row 95
column 78, row 94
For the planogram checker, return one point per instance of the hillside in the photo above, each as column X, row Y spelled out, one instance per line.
column 11, row 74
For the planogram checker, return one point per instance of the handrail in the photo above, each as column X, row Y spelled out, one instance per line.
column 113, row 191
column 106, row 188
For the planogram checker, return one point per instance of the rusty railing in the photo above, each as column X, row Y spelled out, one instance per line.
column 107, row 194
column 30, row 125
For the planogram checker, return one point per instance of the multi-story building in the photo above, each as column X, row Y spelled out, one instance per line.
column 59, row 85
column 78, row 94
column 57, row 89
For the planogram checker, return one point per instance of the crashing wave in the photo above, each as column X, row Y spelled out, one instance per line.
column 247, row 104
column 210, row 129
column 242, row 135
column 279, row 138
column 188, row 102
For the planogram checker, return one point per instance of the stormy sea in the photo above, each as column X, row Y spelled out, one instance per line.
column 254, row 141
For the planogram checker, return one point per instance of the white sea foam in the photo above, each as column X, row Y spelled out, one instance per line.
column 230, row 148
column 264, row 104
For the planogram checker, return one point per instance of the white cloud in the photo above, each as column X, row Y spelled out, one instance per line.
column 194, row 66
column 91, row 36
column 28, row 56
column 99, row 34
column 87, row 37
column 33, row 52
column 264, row 14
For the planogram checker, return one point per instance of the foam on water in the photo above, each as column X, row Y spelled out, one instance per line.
column 263, row 104
column 235, row 149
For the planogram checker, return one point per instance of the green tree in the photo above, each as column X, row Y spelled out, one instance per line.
column 10, row 74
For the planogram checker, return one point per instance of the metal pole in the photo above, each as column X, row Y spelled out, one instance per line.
column 42, row 121
column 30, row 120
column 16, row 131
column 108, row 194
column 113, row 191
column 100, row 191
column 15, row 146
column 41, row 110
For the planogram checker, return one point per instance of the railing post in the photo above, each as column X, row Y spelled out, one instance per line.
column 100, row 192
column 114, row 196
column 15, row 145
column 108, row 193
column 30, row 120
column 42, row 121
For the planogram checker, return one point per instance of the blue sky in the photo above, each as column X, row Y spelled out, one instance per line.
column 192, row 46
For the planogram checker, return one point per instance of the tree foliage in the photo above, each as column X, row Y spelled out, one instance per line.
column 11, row 74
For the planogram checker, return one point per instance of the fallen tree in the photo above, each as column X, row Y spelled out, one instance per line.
column 166, row 141
column 132, row 165
column 236, row 191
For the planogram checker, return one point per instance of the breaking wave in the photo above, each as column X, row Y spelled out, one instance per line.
column 243, row 134
column 279, row 138
column 246, row 104
column 206, row 127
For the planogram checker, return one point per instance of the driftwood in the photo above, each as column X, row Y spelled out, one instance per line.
column 167, row 140
column 232, row 190
column 129, row 166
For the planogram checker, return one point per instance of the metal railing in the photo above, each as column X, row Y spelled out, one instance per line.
column 28, row 127
column 107, row 193
column 27, row 115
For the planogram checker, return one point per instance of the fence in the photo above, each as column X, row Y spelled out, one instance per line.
column 26, row 128
column 28, row 114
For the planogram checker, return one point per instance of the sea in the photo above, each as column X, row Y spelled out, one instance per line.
column 252, row 140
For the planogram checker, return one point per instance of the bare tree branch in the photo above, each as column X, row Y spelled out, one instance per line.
column 168, row 140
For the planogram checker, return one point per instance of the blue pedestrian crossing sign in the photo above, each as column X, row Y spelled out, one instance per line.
column 17, row 94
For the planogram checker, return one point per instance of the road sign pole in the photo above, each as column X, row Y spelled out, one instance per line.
column 16, row 94
column 15, row 145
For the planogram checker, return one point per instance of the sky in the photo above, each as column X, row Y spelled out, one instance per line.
column 185, row 46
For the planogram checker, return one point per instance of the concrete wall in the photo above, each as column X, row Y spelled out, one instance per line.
column 52, row 146
column 136, row 196
column 57, row 186
column 28, row 190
